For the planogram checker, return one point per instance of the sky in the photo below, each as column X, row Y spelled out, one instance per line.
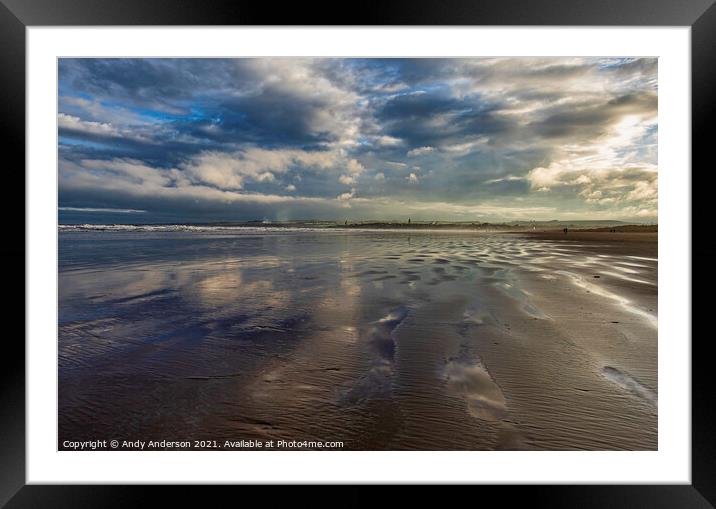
column 481, row 139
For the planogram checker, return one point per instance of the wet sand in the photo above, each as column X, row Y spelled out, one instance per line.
column 381, row 340
column 629, row 238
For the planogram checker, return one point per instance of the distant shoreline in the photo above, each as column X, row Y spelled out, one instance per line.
column 630, row 228
column 601, row 235
column 516, row 227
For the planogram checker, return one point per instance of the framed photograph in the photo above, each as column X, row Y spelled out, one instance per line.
column 425, row 245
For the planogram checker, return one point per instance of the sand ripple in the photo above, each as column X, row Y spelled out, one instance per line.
column 385, row 340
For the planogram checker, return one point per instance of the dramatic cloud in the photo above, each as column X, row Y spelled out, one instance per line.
column 464, row 139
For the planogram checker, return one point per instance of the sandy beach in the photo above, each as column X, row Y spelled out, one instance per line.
column 645, row 241
column 410, row 340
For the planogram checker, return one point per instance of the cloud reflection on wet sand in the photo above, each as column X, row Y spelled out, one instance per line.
column 384, row 340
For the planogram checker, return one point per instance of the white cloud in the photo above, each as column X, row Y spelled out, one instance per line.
column 355, row 167
column 230, row 170
column 347, row 196
column 644, row 190
column 220, row 170
column 462, row 148
column 97, row 128
column 388, row 141
column 420, row 151
column 127, row 177
column 93, row 109
column 412, row 178
column 508, row 178
column 347, row 180
column 265, row 176
column 91, row 209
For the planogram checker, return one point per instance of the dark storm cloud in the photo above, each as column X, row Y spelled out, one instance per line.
column 167, row 84
column 434, row 119
column 595, row 119
column 274, row 118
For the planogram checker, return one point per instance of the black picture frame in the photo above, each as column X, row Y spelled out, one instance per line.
column 17, row 15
